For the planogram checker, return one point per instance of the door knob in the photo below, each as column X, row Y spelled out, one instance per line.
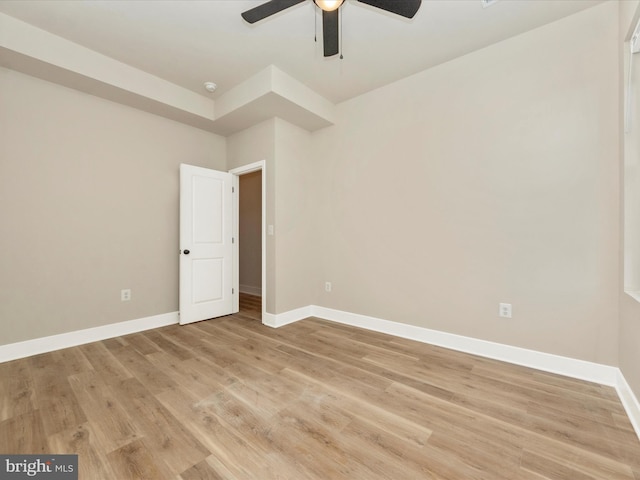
column 186, row 252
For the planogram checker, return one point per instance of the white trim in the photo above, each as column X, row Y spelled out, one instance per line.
column 580, row 369
column 629, row 402
column 36, row 346
column 569, row 367
column 282, row 319
column 635, row 294
column 254, row 167
column 251, row 167
column 236, row 243
column 270, row 320
column 250, row 290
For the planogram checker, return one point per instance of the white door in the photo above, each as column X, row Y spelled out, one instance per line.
column 207, row 287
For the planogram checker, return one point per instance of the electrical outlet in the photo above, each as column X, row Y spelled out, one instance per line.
column 504, row 310
column 125, row 295
column 327, row 286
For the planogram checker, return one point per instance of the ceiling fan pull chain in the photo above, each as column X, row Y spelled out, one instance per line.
column 340, row 42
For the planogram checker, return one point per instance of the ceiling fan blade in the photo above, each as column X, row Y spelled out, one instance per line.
column 267, row 9
column 330, row 37
column 405, row 8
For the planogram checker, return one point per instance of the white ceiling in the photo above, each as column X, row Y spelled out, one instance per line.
column 190, row 42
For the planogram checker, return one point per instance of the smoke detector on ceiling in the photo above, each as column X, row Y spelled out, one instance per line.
column 488, row 3
column 210, row 87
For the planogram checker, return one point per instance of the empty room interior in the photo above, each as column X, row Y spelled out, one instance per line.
column 430, row 213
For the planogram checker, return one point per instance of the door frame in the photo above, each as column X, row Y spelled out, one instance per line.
column 237, row 172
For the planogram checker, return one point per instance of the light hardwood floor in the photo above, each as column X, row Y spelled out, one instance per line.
column 251, row 306
column 233, row 399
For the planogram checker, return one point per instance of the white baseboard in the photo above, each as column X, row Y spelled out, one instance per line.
column 36, row 346
column 570, row 367
column 629, row 401
column 249, row 290
column 592, row 372
column 282, row 319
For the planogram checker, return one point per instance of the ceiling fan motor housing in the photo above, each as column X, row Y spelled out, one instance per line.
column 328, row 5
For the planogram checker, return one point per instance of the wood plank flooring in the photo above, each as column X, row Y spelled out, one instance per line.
column 251, row 306
column 233, row 399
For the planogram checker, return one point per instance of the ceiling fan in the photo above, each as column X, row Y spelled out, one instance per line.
column 330, row 36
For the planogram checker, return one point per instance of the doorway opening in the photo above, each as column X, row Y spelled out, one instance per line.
column 250, row 183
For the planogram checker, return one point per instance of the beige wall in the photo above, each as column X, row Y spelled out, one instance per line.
column 291, row 260
column 252, row 145
column 629, row 307
column 250, row 232
column 296, row 223
column 88, row 206
column 491, row 178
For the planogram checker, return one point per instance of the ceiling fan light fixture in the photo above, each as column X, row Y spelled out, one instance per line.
column 328, row 5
